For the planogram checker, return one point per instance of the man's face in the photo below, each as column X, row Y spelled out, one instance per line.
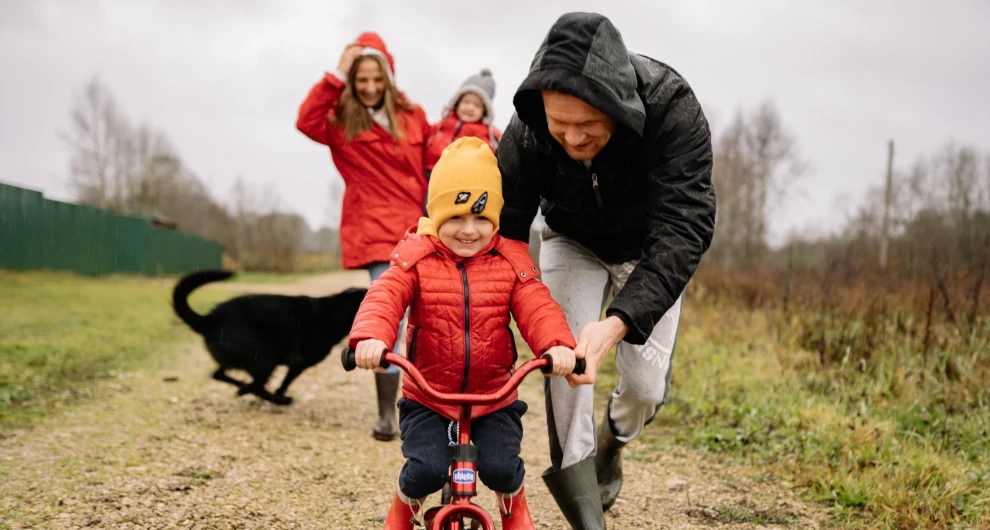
column 580, row 128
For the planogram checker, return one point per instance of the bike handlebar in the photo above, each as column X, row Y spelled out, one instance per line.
column 544, row 363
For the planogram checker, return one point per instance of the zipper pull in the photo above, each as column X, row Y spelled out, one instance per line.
column 598, row 194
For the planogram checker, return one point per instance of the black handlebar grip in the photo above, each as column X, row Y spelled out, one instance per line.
column 347, row 359
column 547, row 368
column 579, row 365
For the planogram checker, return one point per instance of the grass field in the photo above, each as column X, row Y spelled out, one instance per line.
column 873, row 446
column 59, row 333
column 880, row 447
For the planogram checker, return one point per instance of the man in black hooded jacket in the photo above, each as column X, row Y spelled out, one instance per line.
column 615, row 150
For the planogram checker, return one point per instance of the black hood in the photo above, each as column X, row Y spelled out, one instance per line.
column 583, row 55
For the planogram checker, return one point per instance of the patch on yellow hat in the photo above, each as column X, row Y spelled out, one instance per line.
column 465, row 181
column 479, row 205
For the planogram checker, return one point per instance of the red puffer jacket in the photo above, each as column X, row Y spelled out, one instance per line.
column 449, row 129
column 384, row 181
column 475, row 354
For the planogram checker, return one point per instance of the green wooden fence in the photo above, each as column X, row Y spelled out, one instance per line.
column 39, row 233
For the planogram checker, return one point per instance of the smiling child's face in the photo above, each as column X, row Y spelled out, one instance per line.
column 466, row 235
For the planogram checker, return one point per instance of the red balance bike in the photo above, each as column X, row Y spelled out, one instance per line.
column 456, row 505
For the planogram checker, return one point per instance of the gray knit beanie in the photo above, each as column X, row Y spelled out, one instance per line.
column 482, row 84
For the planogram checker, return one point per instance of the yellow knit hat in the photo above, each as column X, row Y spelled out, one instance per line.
column 464, row 181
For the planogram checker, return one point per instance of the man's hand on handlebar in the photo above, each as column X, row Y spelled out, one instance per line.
column 368, row 355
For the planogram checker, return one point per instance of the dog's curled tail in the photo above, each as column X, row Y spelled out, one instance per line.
column 185, row 287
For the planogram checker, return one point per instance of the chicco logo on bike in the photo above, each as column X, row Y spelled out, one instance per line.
column 463, row 476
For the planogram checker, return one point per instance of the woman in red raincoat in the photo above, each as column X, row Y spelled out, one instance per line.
column 376, row 138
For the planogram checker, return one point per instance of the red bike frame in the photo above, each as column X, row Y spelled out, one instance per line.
column 463, row 467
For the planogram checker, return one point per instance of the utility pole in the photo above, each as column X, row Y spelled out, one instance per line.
column 888, row 198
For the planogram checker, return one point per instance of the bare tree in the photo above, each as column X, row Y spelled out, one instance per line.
column 279, row 237
column 267, row 238
column 756, row 161
column 138, row 171
column 776, row 163
column 95, row 136
column 732, row 177
column 157, row 173
column 240, row 209
column 114, row 165
column 960, row 168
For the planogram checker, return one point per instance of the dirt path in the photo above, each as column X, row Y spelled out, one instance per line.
column 173, row 449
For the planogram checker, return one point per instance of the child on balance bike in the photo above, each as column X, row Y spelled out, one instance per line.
column 461, row 281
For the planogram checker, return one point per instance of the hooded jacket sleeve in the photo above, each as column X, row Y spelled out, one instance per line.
column 519, row 191
column 312, row 118
column 383, row 307
column 681, row 216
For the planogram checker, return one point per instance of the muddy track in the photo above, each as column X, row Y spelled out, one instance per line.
column 171, row 448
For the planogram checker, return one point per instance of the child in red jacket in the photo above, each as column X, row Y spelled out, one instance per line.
column 469, row 113
column 461, row 282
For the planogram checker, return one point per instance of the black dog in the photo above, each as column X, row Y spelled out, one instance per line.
column 258, row 332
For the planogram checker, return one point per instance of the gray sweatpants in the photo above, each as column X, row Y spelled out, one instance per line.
column 581, row 284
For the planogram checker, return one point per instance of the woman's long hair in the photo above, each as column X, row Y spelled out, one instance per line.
column 352, row 116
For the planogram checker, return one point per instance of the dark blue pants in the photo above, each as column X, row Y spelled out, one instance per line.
column 424, row 445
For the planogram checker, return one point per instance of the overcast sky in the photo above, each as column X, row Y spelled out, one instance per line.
column 224, row 78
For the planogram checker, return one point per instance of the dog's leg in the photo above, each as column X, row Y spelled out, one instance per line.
column 260, row 391
column 221, row 375
column 257, row 387
column 291, row 376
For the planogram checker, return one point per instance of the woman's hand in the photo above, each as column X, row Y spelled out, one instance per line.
column 368, row 355
column 351, row 52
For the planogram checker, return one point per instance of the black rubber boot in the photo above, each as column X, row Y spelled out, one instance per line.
column 608, row 463
column 387, row 426
column 575, row 490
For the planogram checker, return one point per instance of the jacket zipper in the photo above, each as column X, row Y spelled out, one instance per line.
column 598, row 194
column 467, row 325
column 412, row 345
column 515, row 351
